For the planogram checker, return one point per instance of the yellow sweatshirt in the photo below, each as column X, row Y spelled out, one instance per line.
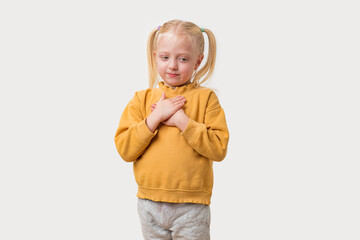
column 170, row 165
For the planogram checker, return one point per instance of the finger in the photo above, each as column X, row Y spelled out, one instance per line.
column 178, row 97
column 179, row 105
column 179, row 100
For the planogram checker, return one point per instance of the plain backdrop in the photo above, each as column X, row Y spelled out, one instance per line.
column 287, row 76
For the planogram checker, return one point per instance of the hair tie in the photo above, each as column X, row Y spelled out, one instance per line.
column 202, row 30
column 158, row 27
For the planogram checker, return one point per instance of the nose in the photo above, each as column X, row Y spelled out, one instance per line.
column 173, row 64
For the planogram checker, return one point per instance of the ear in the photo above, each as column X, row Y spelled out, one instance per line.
column 155, row 56
column 198, row 61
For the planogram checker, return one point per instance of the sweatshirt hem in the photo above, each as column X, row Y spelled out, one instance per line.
column 174, row 196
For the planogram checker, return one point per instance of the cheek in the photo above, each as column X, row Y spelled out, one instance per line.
column 188, row 69
column 160, row 67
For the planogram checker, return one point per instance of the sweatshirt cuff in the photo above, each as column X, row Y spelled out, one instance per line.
column 144, row 133
column 192, row 130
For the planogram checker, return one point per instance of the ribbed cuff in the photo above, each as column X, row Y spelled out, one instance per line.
column 144, row 132
column 192, row 130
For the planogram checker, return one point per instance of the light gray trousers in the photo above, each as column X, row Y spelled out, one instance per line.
column 185, row 221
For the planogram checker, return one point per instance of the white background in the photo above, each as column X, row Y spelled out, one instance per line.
column 287, row 76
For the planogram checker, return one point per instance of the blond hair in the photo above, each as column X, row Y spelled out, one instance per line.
column 196, row 36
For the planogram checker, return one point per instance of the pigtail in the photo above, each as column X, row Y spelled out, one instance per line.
column 207, row 70
column 152, row 69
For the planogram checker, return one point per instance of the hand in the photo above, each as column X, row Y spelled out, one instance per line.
column 174, row 119
column 179, row 119
column 165, row 108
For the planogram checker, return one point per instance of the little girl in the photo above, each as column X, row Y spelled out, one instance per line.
column 173, row 133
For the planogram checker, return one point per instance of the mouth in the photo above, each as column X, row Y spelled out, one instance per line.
column 172, row 75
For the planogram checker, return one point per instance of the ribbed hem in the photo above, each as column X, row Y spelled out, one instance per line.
column 174, row 196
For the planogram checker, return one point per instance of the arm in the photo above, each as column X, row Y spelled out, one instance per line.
column 210, row 138
column 135, row 131
column 133, row 135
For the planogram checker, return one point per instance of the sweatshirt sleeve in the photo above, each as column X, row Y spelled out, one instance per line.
column 132, row 136
column 210, row 138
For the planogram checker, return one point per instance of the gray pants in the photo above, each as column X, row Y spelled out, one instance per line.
column 185, row 221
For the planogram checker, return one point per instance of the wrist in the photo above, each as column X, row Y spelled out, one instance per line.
column 182, row 122
column 152, row 121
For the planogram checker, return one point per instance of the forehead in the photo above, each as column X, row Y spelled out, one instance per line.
column 171, row 42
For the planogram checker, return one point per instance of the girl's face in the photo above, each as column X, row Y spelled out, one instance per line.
column 176, row 59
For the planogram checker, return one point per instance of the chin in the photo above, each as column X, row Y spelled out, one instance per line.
column 176, row 82
column 172, row 82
